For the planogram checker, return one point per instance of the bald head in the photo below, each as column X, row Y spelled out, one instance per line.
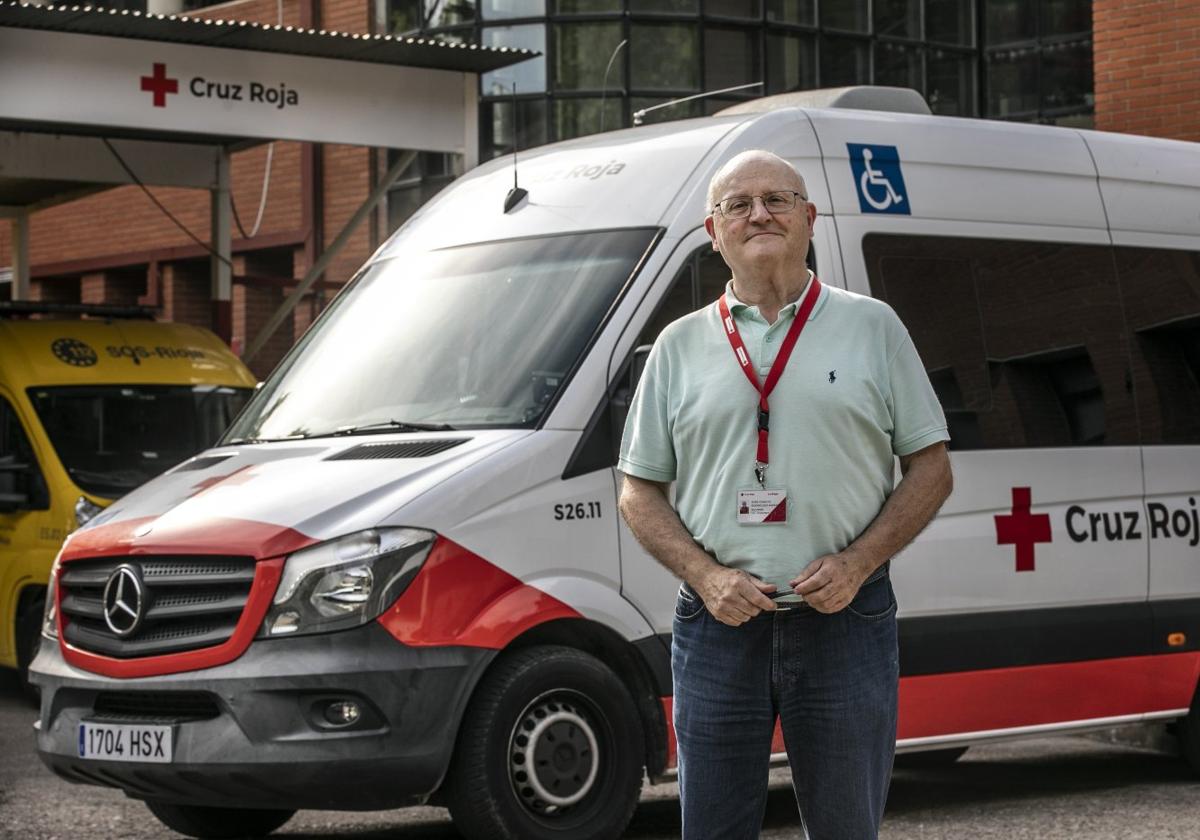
column 758, row 161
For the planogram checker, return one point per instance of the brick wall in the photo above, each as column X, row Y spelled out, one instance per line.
column 1147, row 67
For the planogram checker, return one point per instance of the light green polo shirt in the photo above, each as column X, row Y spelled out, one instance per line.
column 853, row 395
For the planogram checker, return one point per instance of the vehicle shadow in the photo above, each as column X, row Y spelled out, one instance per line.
column 1060, row 769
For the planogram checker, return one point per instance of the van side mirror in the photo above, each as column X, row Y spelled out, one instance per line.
column 21, row 487
column 640, row 355
column 623, row 394
column 14, row 478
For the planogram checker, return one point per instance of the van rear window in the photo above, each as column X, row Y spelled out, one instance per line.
column 1042, row 344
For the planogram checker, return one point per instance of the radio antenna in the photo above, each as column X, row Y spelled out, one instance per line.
column 604, row 87
column 638, row 116
column 516, row 193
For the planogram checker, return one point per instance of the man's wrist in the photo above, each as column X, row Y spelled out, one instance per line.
column 698, row 572
column 863, row 562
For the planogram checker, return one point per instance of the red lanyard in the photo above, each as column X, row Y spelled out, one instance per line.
column 785, row 352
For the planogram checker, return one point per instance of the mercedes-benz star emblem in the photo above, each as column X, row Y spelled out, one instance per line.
column 124, row 601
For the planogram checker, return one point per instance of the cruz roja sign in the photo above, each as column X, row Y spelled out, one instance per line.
column 1023, row 529
column 99, row 81
column 160, row 85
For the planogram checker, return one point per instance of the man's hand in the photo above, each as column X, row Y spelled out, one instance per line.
column 831, row 581
column 732, row 596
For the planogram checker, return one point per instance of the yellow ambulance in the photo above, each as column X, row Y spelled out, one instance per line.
column 90, row 409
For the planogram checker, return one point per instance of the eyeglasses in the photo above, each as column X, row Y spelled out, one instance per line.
column 740, row 206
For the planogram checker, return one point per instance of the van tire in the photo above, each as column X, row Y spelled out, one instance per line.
column 530, row 699
column 218, row 823
column 29, row 639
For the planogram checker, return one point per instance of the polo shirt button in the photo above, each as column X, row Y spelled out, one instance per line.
column 770, row 338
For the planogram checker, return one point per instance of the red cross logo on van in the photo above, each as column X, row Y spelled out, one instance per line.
column 160, row 85
column 1022, row 528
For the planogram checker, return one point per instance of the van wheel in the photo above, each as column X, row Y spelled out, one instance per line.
column 29, row 639
column 929, row 759
column 217, row 823
column 551, row 747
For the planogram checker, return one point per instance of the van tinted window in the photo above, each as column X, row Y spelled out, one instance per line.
column 1161, row 293
column 1024, row 342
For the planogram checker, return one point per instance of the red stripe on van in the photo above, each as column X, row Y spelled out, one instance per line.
column 1005, row 698
column 266, row 578
column 1008, row 698
column 458, row 598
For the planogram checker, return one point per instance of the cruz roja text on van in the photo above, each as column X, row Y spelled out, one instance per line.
column 1164, row 523
column 590, row 171
column 281, row 96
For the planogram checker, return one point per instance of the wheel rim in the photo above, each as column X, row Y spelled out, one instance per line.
column 554, row 754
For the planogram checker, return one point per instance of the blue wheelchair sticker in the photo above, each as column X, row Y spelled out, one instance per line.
column 877, row 179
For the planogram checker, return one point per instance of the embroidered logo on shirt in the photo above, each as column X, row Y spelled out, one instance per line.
column 832, row 376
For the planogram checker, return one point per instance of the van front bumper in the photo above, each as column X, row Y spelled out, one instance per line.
column 253, row 733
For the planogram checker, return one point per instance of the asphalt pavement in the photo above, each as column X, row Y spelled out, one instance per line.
column 1071, row 787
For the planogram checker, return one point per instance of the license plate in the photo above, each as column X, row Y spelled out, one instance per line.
column 125, row 742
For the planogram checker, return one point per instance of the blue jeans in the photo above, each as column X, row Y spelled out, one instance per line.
column 831, row 680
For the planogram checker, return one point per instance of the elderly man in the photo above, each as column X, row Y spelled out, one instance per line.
column 777, row 410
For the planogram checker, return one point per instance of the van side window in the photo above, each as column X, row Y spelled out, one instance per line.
column 19, row 472
column 1025, row 342
column 679, row 301
column 699, row 282
column 1161, row 293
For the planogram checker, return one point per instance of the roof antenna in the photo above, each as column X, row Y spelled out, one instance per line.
column 604, row 87
column 516, row 193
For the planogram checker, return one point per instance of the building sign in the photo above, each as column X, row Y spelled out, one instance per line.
column 96, row 81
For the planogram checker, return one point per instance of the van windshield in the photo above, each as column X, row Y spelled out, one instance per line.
column 472, row 336
column 113, row 438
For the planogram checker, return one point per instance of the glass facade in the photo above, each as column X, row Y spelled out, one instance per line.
column 603, row 60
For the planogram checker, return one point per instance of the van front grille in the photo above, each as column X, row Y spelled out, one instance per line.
column 154, row 605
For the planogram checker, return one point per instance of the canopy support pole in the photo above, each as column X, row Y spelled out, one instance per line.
column 20, row 255
column 222, row 240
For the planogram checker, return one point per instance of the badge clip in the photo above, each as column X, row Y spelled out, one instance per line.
column 760, row 473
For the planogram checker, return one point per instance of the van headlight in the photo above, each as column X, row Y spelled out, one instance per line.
column 345, row 582
column 85, row 510
column 50, row 616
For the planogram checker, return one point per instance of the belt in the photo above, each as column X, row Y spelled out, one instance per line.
column 877, row 575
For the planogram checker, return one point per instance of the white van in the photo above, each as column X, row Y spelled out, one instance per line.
column 401, row 576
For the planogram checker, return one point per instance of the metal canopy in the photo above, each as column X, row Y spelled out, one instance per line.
column 243, row 35
column 199, row 88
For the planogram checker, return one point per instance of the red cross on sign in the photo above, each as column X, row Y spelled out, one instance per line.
column 160, row 85
column 1022, row 528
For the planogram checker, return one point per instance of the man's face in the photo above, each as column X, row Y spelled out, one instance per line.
column 762, row 239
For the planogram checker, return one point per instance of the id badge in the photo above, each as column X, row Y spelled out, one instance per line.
column 761, row 507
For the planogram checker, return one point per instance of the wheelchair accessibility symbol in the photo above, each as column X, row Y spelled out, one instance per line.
column 877, row 179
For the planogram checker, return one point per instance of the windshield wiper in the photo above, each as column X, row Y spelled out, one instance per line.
column 244, row 441
column 387, row 426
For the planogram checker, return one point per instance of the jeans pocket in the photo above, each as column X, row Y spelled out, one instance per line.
column 688, row 605
column 875, row 601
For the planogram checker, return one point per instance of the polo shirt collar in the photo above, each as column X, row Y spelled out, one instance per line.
column 737, row 307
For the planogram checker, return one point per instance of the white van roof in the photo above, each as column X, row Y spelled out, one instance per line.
column 1036, row 180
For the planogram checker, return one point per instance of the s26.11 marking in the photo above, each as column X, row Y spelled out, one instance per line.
column 576, row 510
